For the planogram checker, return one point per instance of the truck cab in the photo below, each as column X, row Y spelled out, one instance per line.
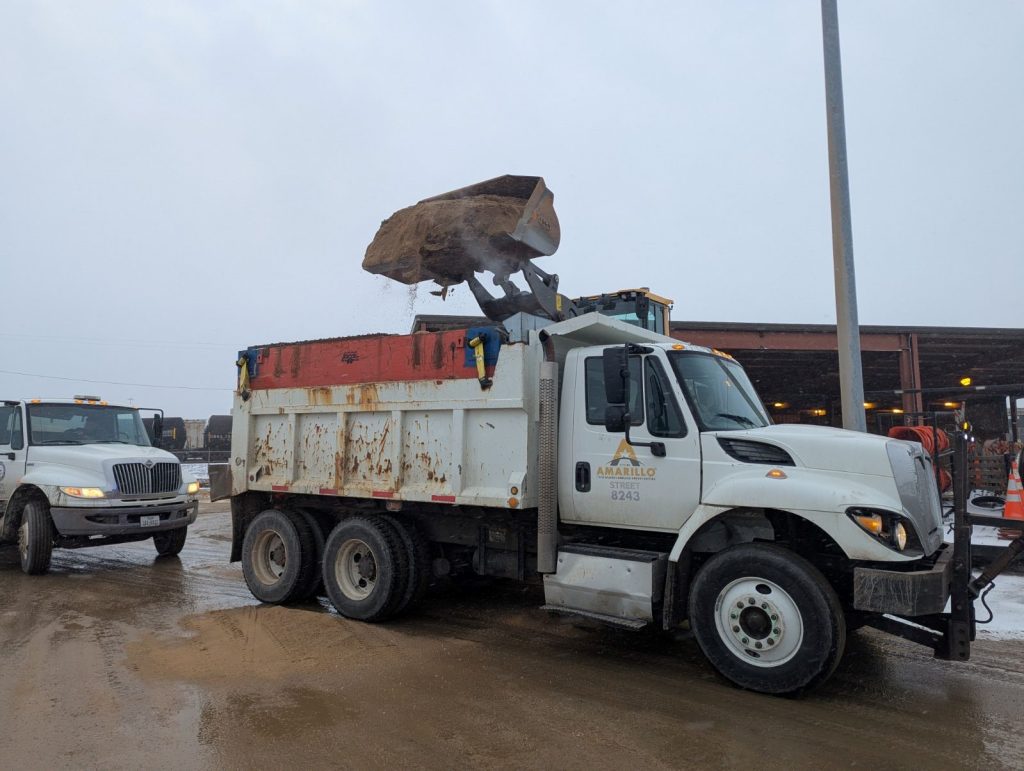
column 81, row 472
column 700, row 444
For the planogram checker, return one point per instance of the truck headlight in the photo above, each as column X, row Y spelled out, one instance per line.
column 884, row 525
column 193, row 488
column 83, row 492
column 899, row 536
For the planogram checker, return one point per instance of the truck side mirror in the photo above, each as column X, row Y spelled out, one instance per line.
column 615, row 418
column 158, row 430
column 615, row 374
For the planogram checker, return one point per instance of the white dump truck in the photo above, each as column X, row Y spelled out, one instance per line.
column 81, row 472
column 638, row 478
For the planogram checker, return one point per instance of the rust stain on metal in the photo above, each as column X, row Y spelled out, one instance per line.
column 437, row 357
column 278, row 365
column 417, row 346
column 319, row 396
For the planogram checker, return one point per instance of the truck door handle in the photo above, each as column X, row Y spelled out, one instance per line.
column 583, row 477
column 10, row 455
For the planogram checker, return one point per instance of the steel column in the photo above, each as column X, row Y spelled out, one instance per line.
column 910, row 374
column 851, row 378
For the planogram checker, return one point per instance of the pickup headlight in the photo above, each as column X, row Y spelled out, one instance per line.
column 83, row 492
column 193, row 488
column 886, row 526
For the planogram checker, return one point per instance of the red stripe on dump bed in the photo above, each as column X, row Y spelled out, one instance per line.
column 327, row 491
column 443, row 498
column 279, row 488
column 370, row 359
column 382, row 494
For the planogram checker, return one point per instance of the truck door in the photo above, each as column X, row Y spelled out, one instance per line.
column 617, row 484
column 12, row 450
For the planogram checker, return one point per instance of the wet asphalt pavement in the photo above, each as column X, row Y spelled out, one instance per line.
column 118, row 660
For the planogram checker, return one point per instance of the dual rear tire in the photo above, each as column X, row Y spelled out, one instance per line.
column 371, row 567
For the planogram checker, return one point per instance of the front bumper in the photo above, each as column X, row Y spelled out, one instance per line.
column 123, row 520
column 904, row 593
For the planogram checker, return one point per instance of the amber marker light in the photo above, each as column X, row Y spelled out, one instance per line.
column 776, row 473
column 870, row 522
column 513, row 503
column 82, row 492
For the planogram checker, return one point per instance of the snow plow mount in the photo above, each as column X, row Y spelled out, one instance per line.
column 950, row 634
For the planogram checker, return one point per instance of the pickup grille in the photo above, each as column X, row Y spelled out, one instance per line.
column 756, row 452
column 140, row 479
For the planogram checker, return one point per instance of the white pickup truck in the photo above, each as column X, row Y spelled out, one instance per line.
column 81, row 472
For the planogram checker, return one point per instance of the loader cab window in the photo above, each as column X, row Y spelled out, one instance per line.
column 596, row 403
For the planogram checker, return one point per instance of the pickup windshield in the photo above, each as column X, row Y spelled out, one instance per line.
column 718, row 390
column 68, row 424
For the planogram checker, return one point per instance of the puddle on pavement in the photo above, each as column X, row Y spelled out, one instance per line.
column 258, row 642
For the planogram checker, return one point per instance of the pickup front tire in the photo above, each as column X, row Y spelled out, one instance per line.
column 767, row 619
column 170, row 542
column 35, row 538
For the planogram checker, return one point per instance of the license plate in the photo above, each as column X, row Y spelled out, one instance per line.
column 150, row 520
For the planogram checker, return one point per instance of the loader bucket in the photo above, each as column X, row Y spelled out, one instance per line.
column 495, row 225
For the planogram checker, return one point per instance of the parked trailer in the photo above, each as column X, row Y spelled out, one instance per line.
column 374, row 464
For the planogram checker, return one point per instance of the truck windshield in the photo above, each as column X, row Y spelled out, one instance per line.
column 53, row 424
column 719, row 392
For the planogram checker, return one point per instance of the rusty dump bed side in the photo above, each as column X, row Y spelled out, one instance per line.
column 400, row 417
column 364, row 359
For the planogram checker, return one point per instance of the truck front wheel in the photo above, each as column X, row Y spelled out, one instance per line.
column 366, row 571
column 35, row 538
column 277, row 560
column 767, row 619
column 170, row 542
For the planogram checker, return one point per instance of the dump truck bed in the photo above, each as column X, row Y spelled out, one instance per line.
column 389, row 416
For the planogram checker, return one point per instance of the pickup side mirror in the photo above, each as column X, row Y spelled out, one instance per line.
column 615, row 418
column 615, row 374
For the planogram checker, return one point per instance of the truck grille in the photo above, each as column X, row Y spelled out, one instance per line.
column 919, row 493
column 139, row 479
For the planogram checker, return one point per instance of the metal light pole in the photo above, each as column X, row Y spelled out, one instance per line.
column 851, row 378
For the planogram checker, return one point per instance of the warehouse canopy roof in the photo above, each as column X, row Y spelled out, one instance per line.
column 786, row 357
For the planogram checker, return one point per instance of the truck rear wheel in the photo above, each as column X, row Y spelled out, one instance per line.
column 35, row 538
column 417, row 552
column 276, row 557
column 170, row 542
column 316, row 581
column 767, row 619
column 366, row 570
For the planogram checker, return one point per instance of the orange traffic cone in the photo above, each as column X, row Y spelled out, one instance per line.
column 1014, row 508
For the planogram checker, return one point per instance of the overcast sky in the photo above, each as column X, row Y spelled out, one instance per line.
column 182, row 180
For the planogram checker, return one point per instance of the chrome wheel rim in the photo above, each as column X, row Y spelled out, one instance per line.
column 759, row 622
column 355, row 570
column 269, row 558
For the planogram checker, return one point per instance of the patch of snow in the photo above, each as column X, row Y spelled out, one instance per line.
column 200, row 471
column 1007, row 603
